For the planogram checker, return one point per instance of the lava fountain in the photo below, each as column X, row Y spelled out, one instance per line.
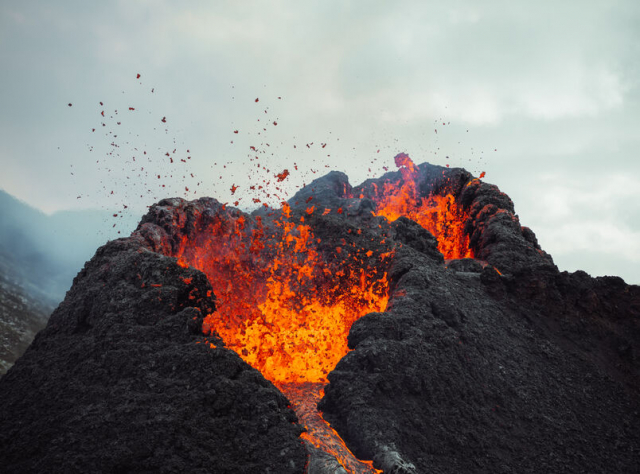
column 440, row 214
column 286, row 298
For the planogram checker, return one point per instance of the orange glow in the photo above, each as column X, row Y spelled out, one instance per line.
column 305, row 398
column 286, row 307
column 283, row 307
column 439, row 214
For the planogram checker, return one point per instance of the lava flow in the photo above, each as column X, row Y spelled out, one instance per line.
column 286, row 300
column 305, row 398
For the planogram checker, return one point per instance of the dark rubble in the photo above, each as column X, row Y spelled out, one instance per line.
column 500, row 364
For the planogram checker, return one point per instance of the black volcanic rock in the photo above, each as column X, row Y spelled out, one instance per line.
column 330, row 191
column 408, row 232
column 122, row 380
column 456, row 381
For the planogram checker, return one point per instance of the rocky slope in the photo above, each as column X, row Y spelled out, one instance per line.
column 123, row 380
column 463, row 373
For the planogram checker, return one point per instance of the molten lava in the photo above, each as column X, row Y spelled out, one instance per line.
column 282, row 306
column 286, row 301
column 286, row 309
column 439, row 214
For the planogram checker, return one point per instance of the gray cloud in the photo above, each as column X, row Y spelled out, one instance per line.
column 552, row 86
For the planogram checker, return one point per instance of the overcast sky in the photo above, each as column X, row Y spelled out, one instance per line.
column 543, row 96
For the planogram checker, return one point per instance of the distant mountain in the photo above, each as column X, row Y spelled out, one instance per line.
column 39, row 257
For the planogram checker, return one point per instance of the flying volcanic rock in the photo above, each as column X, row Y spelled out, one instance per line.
column 442, row 336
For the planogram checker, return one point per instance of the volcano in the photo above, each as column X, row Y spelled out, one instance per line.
column 410, row 324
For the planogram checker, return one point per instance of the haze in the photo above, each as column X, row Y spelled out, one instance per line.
column 542, row 96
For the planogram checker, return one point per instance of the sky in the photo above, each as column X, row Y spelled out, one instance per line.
column 542, row 96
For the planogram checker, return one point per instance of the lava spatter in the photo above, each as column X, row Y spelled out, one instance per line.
column 439, row 213
column 284, row 307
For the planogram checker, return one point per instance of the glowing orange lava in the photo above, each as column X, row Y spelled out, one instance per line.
column 305, row 398
column 284, row 308
column 439, row 214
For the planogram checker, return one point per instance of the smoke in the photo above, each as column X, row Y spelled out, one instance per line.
column 43, row 253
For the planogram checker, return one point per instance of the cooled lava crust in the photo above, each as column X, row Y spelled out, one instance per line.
column 496, row 364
